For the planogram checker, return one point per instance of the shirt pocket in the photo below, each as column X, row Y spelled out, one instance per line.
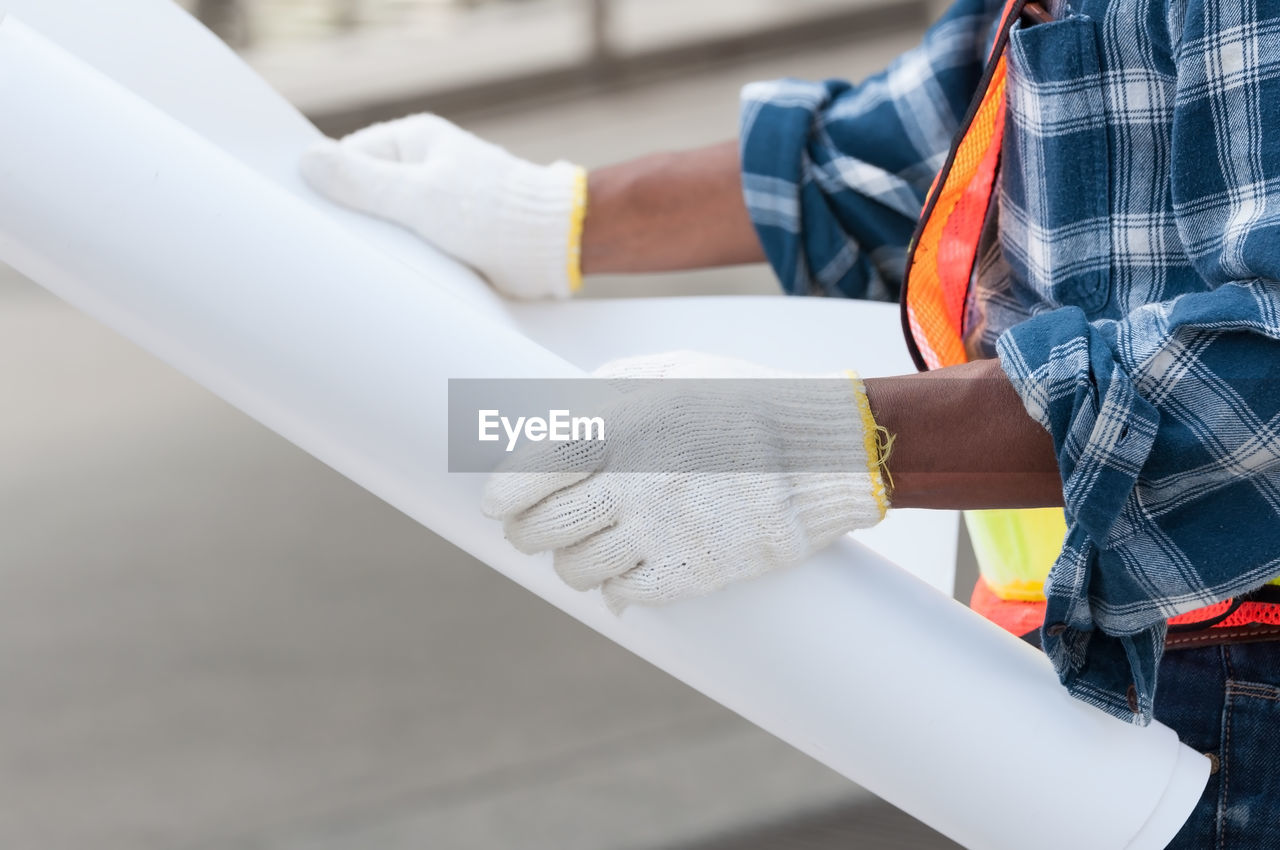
column 1056, row 180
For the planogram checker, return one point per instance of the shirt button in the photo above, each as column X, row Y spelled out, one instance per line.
column 1132, row 694
column 1056, row 629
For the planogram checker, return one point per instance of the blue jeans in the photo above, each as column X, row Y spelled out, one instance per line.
column 1225, row 700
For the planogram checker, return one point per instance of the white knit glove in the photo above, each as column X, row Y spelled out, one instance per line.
column 518, row 224
column 651, row 537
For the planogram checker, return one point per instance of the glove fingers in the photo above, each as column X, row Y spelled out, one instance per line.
column 641, row 585
column 655, row 583
column 351, row 178
column 605, row 554
column 405, row 140
column 565, row 517
column 537, row 471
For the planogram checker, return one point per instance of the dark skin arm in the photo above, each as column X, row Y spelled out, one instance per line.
column 962, row 438
column 667, row 212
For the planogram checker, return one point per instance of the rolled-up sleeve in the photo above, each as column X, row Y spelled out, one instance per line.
column 835, row 175
column 1166, row 422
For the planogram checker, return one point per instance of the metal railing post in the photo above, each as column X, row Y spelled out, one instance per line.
column 227, row 18
column 599, row 14
column 346, row 14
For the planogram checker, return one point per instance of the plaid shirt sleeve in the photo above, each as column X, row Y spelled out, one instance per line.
column 835, row 175
column 1166, row 420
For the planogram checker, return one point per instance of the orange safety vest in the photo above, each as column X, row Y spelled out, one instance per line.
column 1015, row 549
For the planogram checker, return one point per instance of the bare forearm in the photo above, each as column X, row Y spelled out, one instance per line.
column 962, row 440
column 669, row 211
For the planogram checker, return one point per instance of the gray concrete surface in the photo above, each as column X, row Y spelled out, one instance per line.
column 208, row 639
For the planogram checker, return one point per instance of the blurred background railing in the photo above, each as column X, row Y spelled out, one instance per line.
column 349, row 62
column 245, row 22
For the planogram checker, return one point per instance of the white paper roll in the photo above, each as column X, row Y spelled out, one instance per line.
column 203, row 260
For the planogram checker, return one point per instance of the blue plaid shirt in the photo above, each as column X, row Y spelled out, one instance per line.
column 1132, row 293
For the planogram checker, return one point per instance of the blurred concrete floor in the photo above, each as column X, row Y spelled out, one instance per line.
column 208, row 639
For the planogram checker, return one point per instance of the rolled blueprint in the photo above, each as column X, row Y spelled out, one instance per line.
column 150, row 223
